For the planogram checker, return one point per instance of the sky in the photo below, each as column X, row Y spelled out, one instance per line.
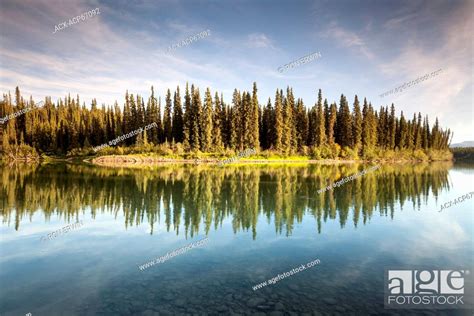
column 366, row 48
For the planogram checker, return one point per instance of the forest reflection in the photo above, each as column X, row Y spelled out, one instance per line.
column 189, row 196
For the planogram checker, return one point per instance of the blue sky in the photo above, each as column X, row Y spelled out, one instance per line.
column 367, row 48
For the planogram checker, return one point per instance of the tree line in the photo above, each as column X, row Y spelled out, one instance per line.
column 209, row 124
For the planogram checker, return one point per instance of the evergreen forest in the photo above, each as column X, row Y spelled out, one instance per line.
column 202, row 122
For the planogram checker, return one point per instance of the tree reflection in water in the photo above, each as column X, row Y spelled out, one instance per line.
column 189, row 196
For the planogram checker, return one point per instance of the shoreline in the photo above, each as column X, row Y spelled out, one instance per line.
column 136, row 160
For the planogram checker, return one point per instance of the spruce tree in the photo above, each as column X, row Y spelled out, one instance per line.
column 365, row 126
column 418, row 133
column 127, row 116
column 167, row 124
column 426, row 133
column 187, row 122
column 391, row 128
column 225, row 122
column 177, row 124
column 332, row 124
column 245, row 118
column 140, row 115
column 344, row 124
column 373, row 126
column 134, row 112
column 302, row 124
column 234, row 128
column 357, row 125
column 236, row 122
column 288, row 125
column 207, row 127
column 292, row 123
column 403, row 132
column 327, row 114
column 217, row 142
column 151, row 114
column 320, row 122
column 312, row 119
column 267, row 126
column 410, row 135
column 159, row 128
column 254, row 120
column 382, row 130
column 197, row 140
column 435, row 136
column 279, row 127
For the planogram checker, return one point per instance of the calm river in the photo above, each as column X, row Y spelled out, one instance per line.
column 260, row 221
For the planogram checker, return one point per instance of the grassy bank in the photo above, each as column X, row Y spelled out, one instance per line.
column 264, row 157
column 175, row 153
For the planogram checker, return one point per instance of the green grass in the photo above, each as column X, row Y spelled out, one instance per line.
column 276, row 158
column 325, row 153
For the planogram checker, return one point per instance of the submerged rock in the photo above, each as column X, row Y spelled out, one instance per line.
column 330, row 301
column 279, row 306
column 221, row 309
column 255, row 301
column 263, row 307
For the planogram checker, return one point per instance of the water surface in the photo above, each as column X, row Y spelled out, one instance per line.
column 260, row 221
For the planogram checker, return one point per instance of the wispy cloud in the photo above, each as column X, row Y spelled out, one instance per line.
column 395, row 23
column 259, row 40
column 347, row 38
